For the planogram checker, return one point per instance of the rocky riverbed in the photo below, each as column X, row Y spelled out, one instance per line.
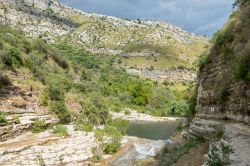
column 132, row 115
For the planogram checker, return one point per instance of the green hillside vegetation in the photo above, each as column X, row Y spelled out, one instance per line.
column 62, row 73
column 101, row 33
column 233, row 46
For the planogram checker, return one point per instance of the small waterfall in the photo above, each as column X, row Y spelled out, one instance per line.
column 141, row 151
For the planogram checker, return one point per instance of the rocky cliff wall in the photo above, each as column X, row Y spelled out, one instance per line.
column 223, row 81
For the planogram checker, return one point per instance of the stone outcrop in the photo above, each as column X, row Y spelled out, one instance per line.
column 223, row 95
column 209, row 105
column 21, row 110
column 223, row 80
column 174, row 75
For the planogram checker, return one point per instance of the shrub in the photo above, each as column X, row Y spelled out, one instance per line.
column 239, row 3
column 55, row 92
column 12, row 57
column 4, row 81
column 95, row 111
column 218, row 133
column 111, row 148
column 60, row 130
column 242, row 68
column 59, row 59
column 97, row 153
column 59, row 108
column 178, row 107
column 141, row 94
column 3, row 118
column 127, row 112
column 203, row 60
column 16, row 56
column 38, row 126
column 223, row 93
column 88, row 127
column 214, row 158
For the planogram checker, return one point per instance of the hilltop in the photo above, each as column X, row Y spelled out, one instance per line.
column 154, row 49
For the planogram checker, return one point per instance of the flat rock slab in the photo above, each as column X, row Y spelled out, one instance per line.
column 47, row 149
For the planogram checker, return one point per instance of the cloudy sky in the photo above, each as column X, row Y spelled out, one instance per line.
column 199, row 16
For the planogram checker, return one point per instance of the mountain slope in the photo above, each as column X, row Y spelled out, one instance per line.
column 224, row 89
column 142, row 45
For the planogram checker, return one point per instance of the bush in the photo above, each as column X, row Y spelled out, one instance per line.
column 214, row 157
column 223, row 93
column 3, row 118
column 111, row 148
column 141, row 94
column 38, row 126
column 4, row 81
column 60, row 130
column 55, row 92
column 127, row 112
column 178, row 107
column 12, row 58
column 203, row 60
column 95, row 111
column 58, row 58
column 59, row 108
column 87, row 127
column 242, row 68
column 97, row 153
column 218, row 133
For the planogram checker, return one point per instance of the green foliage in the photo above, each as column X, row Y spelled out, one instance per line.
column 4, row 81
column 214, row 158
column 218, row 155
column 112, row 147
column 95, row 111
column 127, row 112
column 97, row 153
column 3, row 119
column 66, row 70
column 223, row 92
column 114, row 130
column 141, row 95
column 178, row 107
column 60, row 130
column 203, row 60
column 59, row 108
column 240, row 3
column 170, row 156
column 218, row 133
column 82, row 125
column 242, row 68
column 12, row 57
column 38, row 126
column 58, row 58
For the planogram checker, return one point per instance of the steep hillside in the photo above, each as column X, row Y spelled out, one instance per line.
column 224, row 87
column 223, row 100
column 142, row 45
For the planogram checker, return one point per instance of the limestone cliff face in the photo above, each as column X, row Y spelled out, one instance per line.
column 223, row 80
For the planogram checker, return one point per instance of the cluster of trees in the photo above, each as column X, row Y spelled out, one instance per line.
column 64, row 69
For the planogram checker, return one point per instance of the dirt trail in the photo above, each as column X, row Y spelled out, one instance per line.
column 195, row 157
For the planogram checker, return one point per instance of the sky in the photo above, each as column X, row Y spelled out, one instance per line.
column 203, row 17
